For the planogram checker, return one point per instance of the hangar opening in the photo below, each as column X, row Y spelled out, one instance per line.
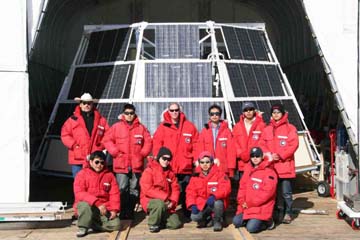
column 286, row 24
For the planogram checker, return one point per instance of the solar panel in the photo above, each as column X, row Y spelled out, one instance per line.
column 163, row 79
column 177, row 41
column 102, row 82
column 107, row 46
column 255, row 80
column 246, row 44
column 265, row 106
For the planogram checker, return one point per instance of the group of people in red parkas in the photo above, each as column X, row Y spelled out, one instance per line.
column 183, row 167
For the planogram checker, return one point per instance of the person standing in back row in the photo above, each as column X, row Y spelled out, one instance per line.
column 216, row 138
column 280, row 140
column 129, row 142
column 180, row 136
column 83, row 131
column 247, row 134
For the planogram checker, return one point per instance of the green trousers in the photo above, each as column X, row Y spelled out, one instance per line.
column 90, row 217
column 160, row 216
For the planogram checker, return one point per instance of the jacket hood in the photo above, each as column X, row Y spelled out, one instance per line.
column 282, row 121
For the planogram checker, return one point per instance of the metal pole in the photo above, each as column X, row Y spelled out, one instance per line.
column 358, row 92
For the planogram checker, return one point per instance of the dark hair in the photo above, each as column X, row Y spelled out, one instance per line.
column 215, row 106
column 129, row 106
column 97, row 154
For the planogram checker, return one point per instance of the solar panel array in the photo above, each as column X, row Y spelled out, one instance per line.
column 255, row 80
column 246, row 44
column 165, row 79
column 108, row 82
column 177, row 41
column 107, row 46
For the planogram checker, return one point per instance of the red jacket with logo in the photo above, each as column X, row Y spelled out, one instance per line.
column 97, row 189
column 258, row 190
column 224, row 149
column 76, row 138
column 128, row 144
column 244, row 142
column 156, row 183
column 281, row 137
column 181, row 141
column 201, row 187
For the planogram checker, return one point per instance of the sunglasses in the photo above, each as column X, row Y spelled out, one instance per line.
column 86, row 103
column 204, row 162
column 129, row 113
column 166, row 159
column 255, row 156
column 214, row 113
column 248, row 109
column 174, row 110
column 97, row 162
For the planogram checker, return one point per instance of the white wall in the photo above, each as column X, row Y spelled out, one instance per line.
column 14, row 120
column 335, row 26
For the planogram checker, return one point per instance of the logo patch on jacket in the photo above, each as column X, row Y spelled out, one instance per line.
column 256, row 186
column 282, row 142
column 106, row 186
column 213, row 189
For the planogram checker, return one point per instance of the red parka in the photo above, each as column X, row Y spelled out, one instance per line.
column 76, row 138
column 181, row 141
column 224, row 149
column 200, row 188
column 281, row 137
column 97, row 189
column 244, row 142
column 128, row 144
column 258, row 190
column 157, row 183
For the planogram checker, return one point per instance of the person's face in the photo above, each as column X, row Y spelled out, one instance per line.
column 164, row 160
column 174, row 111
column 97, row 164
column 86, row 106
column 249, row 113
column 276, row 115
column 214, row 115
column 205, row 164
column 129, row 115
column 256, row 160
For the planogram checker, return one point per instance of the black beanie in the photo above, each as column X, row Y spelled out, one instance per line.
column 163, row 151
column 278, row 106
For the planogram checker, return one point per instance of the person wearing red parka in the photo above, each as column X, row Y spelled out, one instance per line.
column 160, row 192
column 97, row 197
column 257, row 194
column 247, row 134
column 82, row 132
column 180, row 136
column 208, row 193
column 280, row 140
column 217, row 139
column 129, row 143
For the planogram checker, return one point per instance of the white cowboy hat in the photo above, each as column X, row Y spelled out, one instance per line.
column 86, row 97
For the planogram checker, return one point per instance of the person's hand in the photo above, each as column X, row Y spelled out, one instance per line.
column 275, row 156
column 210, row 201
column 112, row 215
column 244, row 205
column 169, row 204
column 102, row 210
column 217, row 162
column 194, row 209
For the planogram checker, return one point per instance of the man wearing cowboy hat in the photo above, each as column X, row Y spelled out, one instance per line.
column 83, row 131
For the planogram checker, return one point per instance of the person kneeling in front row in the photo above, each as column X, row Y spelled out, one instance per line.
column 159, row 192
column 257, row 193
column 97, row 197
column 208, row 193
